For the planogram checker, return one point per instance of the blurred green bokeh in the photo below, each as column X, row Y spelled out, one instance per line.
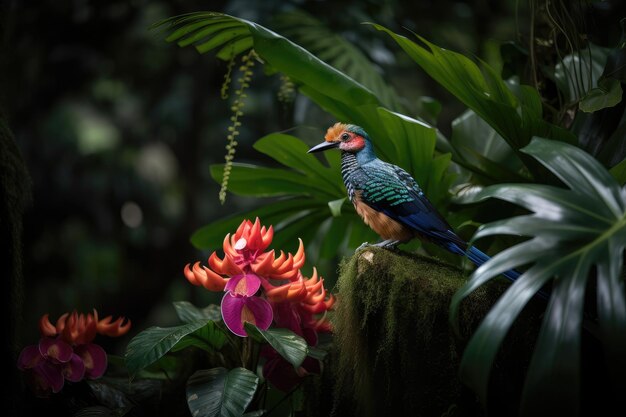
column 118, row 129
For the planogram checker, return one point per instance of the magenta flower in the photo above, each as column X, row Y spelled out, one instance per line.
column 65, row 351
column 238, row 309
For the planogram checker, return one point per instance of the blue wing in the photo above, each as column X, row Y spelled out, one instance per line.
column 392, row 191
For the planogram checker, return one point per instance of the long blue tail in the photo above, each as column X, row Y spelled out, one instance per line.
column 478, row 257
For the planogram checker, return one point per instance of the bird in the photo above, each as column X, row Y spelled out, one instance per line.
column 388, row 198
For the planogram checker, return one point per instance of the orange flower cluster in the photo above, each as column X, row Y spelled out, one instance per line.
column 65, row 351
column 79, row 329
column 250, row 266
column 243, row 252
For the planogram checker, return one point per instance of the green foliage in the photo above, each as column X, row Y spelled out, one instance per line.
column 330, row 47
column 608, row 93
column 515, row 119
column 477, row 147
column 573, row 232
column 220, row 392
column 407, row 142
column 316, row 191
column 154, row 342
column 209, row 338
column 188, row 313
column 288, row 344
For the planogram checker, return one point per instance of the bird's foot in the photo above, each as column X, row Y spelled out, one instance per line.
column 388, row 244
column 363, row 246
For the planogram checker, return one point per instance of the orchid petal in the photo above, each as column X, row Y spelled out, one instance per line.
column 29, row 357
column 48, row 376
column 74, row 369
column 94, row 358
column 287, row 316
column 236, row 310
column 56, row 349
column 244, row 284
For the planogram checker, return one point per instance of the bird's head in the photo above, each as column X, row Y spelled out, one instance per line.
column 348, row 138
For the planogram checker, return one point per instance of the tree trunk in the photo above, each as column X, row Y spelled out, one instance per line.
column 396, row 351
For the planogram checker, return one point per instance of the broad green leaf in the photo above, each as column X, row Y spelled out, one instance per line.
column 573, row 231
column 209, row 338
column 257, row 413
column 397, row 138
column 288, row 344
column 292, row 152
column 166, row 367
column 333, row 90
column 619, row 172
column 188, row 313
column 607, row 94
column 97, row 411
column 154, row 342
column 483, row 92
column 481, row 150
column 267, row 182
column 316, row 353
column 220, row 392
column 577, row 73
column 330, row 47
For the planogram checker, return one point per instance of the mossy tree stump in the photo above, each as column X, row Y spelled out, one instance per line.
column 396, row 351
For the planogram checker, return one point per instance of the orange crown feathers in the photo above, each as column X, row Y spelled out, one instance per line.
column 333, row 132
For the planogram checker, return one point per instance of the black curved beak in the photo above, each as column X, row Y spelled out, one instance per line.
column 324, row 146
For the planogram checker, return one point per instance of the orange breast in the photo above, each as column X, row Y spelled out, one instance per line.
column 385, row 226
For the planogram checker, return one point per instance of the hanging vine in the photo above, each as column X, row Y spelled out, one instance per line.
column 247, row 64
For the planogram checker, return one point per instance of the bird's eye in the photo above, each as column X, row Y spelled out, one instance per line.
column 345, row 136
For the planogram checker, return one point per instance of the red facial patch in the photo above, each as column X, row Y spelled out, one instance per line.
column 354, row 144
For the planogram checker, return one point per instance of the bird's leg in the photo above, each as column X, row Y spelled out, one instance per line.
column 388, row 244
column 363, row 246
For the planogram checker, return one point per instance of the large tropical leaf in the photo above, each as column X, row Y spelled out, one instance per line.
column 208, row 337
column 336, row 92
column 394, row 135
column 573, row 232
column 188, row 313
column 288, row 344
column 477, row 147
column 154, row 342
column 516, row 119
column 318, row 190
column 220, row 392
column 310, row 33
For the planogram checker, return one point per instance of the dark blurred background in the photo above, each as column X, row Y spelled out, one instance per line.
column 118, row 129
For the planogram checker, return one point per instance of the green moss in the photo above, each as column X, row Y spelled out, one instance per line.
column 396, row 352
